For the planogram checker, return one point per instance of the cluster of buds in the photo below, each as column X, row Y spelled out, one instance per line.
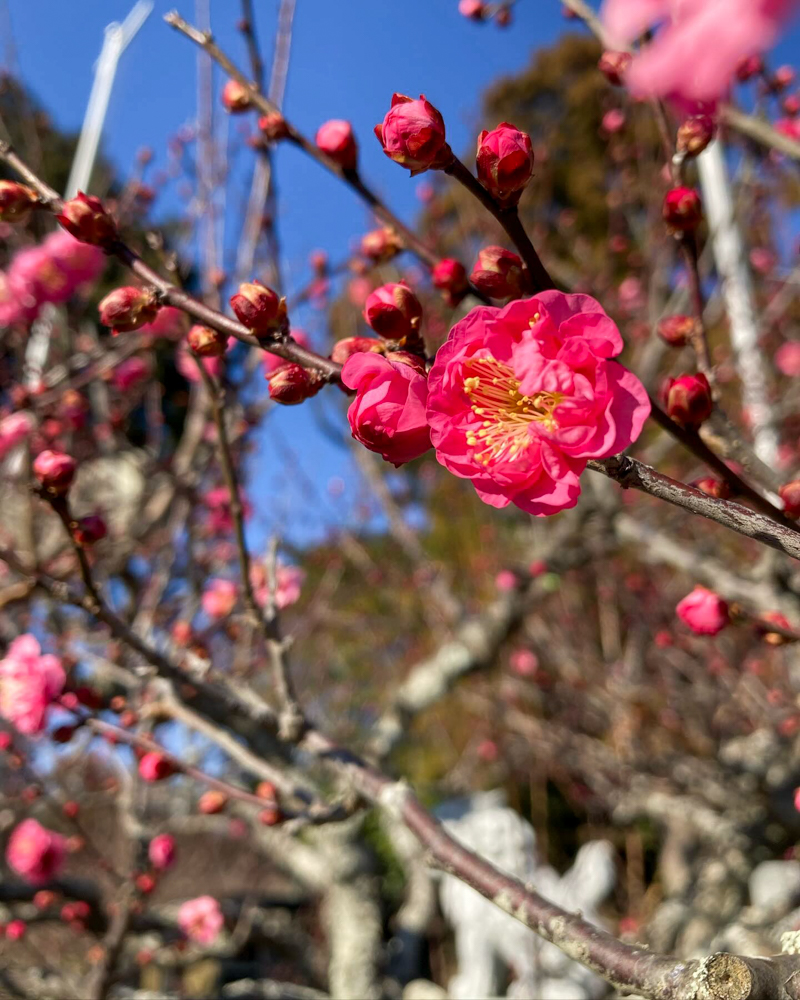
column 206, row 343
column 450, row 277
column 85, row 218
column 614, row 66
column 381, row 245
column 236, row 98
column 412, row 134
column 505, row 163
column 682, row 210
column 688, row 400
column 128, row 308
column 55, row 471
column 260, row 309
column 394, row 312
column 499, row 273
column 335, row 138
column 677, row 330
column 291, row 384
column 695, row 134
column 16, row 201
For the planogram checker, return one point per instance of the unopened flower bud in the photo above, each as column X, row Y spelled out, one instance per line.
column 703, row 611
column 380, row 245
column 393, row 311
column 335, row 138
column 212, row 802
column 498, row 273
column 89, row 529
column 450, row 277
column 235, row 97
column 270, row 816
column 412, row 134
column 85, row 218
column 695, row 134
column 505, row 162
column 292, row 384
column 774, row 618
column 154, row 766
column 16, row 201
column 475, row 10
column 717, row 488
column 206, row 343
column 259, row 308
column 54, row 470
column 128, row 308
column 677, row 330
column 273, row 126
column 748, row 68
column 783, row 77
column 790, row 494
column 614, row 65
column 342, row 349
column 689, row 400
column 682, row 210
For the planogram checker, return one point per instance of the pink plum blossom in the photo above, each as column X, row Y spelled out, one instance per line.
column 787, row 358
column 34, row 852
column 703, row 611
column 201, row 919
column 161, row 851
column 219, row 598
column 13, row 429
column 520, row 398
column 130, row 373
column 29, row 683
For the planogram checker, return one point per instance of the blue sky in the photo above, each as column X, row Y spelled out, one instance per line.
column 348, row 56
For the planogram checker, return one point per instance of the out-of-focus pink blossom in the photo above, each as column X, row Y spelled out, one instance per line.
column 219, row 598
column 129, row 373
column 187, row 365
column 613, row 121
column 29, row 682
column 787, row 358
column 703, row 611
column 336, row 139
column 154, row 766
column 700, row 44
column 161, row 851
column 505, row 580
column 169, row 324
column 288, row 584
column 13, row 429
column 34, row 852
column 201, row 919
column 524, row 662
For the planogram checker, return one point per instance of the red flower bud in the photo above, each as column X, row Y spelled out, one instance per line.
column 259, row 308
column 505, row 162
column 413, row 135
column 16, row 930
column 748, row 68
column 154, row 766
column 682, row 210
column 695, row 134
column 380, row 245
column 270, row 816
column 782, row 78
column 767, row 618
column 85, row 218
column 54, row 470
column 206, row 343
column 342, row 349
column 498, row 273
column 393, row 311
column 235, row 97
column 713, row 487
column 614, row 65
column 89, row 529
column 475, row 10
column 677, row 330
column 145, row 883
column 689, row 400
column 16, row 200
column 291, row 384
column 450, row 277
column 127, row 309
column 790, row 494
column 336, row 139
column 273, row 126
column 70, row 809
column 212, row 802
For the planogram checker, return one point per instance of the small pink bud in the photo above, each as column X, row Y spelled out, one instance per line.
column 682, row 210
column 206, row 343
column 695, row 134
column 703, row 611
column 85, row 218
column 474, row 10
column 342, row 349
column 450, row 277
column 259, row 308
column 677, row 330
column 128, row 308
column 498, row 273
column 380, row 245
column 161, row 851
column 748, row 68
column 16, row 201
column 54, row 470
column 689, row 400
column 412, row 134
column 712, row 487
column 270, row 816
column 394, row 312
column 505, row 162
column 16, row 930
column 790, row 494
column 235, row 97
column 154, row 766
column 614, row 66
column 292, row 384
column 273, row 126
column 783, row 77
column 212, row 802
column 335, row 138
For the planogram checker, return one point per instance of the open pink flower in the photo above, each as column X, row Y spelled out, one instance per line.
column 35, row 853
column 388, row 413
column 219, row 598
column 695, row 53
column 201, row 919
column 520, row 398
column 29, row 682
column 703, row 611
column 289, row 582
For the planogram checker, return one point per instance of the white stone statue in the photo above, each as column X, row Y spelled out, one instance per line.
column 491, row 946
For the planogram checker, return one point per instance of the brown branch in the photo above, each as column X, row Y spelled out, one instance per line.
column 102, row 976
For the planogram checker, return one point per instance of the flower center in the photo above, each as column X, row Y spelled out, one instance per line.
column 506, row 414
